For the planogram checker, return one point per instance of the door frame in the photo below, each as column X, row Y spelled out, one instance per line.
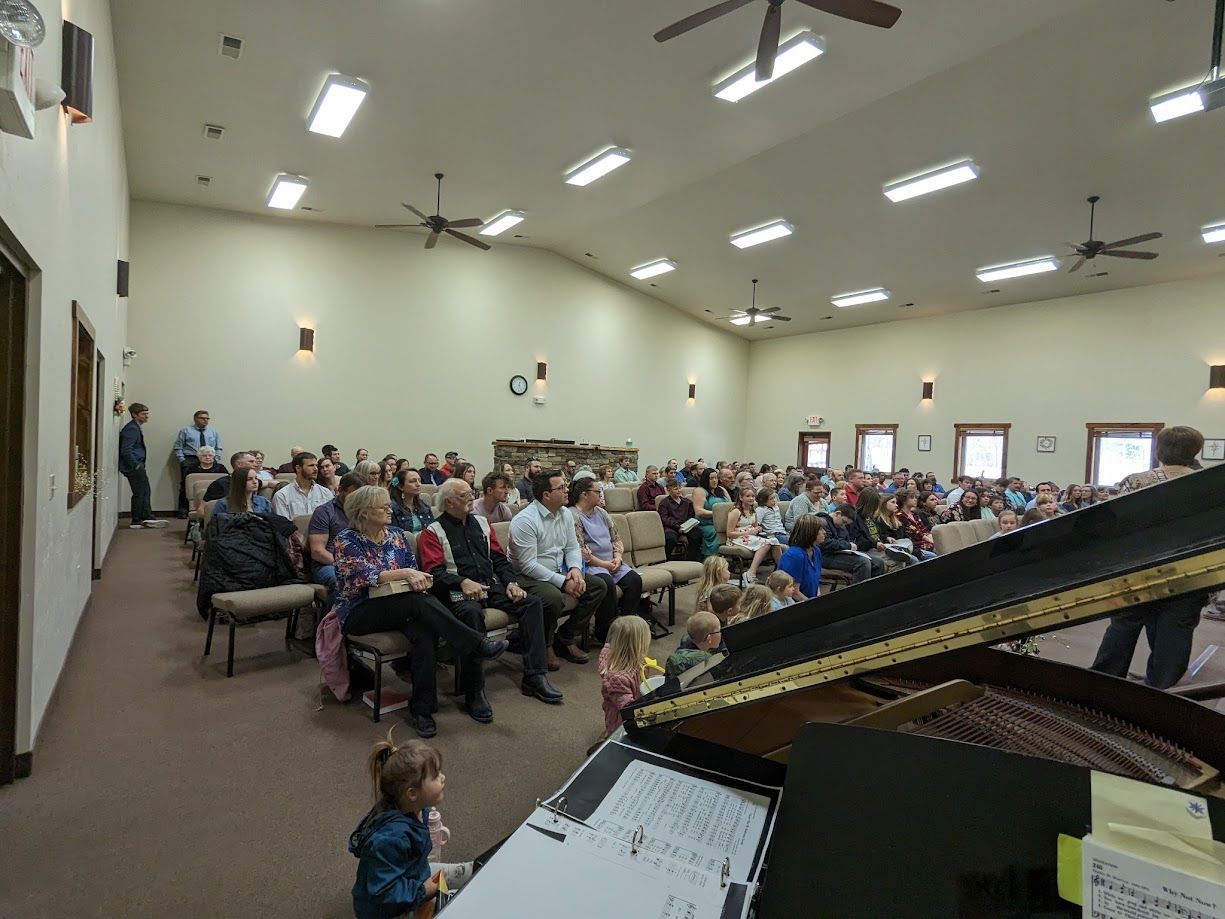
column 806, row 437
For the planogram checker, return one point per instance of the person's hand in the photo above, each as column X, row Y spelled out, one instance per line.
column 472, row 590
column 880, row 546
column 417, row 580
column 576, row 584
column 515, row 592
column 615, row 564
column 431, row 887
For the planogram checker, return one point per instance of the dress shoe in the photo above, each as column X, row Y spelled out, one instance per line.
column 478, row 707
column 424, row 726
column 489, row 649
column 551, row 660
column 570, row 653
column 182, row 515
column 538, row 685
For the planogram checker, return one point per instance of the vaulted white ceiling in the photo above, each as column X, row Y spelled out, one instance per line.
column 1048, row 97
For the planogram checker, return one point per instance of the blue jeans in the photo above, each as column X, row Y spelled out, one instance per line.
column 1169, row 626
column 326, row 575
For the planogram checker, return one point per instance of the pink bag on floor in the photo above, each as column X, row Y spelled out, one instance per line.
column 330, row 651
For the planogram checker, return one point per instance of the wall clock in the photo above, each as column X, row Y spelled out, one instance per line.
column 518, row 384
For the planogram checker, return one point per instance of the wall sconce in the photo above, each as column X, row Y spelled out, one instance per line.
column 693, row 390
column 306, row 340
column 1216, row 376
column 928, row 389
column 77, row 74
column 542, row 370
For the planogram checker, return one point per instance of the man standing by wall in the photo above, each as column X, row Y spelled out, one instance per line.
column 132, row 466
column 189, row 440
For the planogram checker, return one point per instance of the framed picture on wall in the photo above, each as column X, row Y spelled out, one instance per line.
column 1214, row 449
column 925, row 443
column 1046, row 443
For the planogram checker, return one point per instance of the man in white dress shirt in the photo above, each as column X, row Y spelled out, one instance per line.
column 300, row 497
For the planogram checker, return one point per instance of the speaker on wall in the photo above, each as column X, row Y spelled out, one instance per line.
column 121, row 278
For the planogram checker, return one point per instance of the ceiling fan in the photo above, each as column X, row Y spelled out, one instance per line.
column 1092, row 248
column 438, row 225
column 869, row 12
column 754, row 315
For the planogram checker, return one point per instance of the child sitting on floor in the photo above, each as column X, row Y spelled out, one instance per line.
column 705, row 631
column 756, row 602
column 392, row 842
column 783, row 588
column 714, row 572
column 621, row 667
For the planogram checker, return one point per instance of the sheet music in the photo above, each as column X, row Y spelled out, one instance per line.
column 689, row 820
column 1117, row 885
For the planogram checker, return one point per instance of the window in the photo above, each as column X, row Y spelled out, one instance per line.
column 980, row 450
column 813, row 452
column 1115, row 451
column 875, row 447
column 81, row 407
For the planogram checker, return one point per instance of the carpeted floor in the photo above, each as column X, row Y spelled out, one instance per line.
column 160, row 788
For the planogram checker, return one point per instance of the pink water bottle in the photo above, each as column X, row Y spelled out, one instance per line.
column 439, row 834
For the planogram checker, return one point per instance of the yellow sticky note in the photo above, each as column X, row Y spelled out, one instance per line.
column 442, row 882
column 1069, row 868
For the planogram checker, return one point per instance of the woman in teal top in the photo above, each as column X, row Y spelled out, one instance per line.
column 708, row 493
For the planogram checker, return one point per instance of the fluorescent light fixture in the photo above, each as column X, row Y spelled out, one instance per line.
column 598, row 166
column 945, row 176
column 653, row 269
column 775, row 229
column 1018, row 269
column 503, row 222
column 794, row 52
column 1186, row 101
column 745, row 320
column 1214, row 233
column 338, row 102
column 286, row 191
column 860, row 297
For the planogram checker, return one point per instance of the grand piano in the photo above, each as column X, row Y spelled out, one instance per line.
column 925, row 772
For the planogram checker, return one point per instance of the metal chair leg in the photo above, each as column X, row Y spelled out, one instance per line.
column 212, row 620
column 672, row 605
column 378, row 686
column 229, row 663
column 196, row 576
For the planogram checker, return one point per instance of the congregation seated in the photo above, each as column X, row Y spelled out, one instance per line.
column 853, row 544
column 492, row 504
column 889, row 529
column 793, row 485
column 265, row 474
column 744, row 530
column 221, row 487
column 326, row 523
column 1043, row 488
column 603, row 555
column 964, row 484
column 675, row 511
column 408, row 511
column 288, row 468
column 706, row 494
column 471, row 573
column 466, row 471
column 650, row 489
column 242, row 494
column 327, row 476
column 809, row 501
column 625, row 473
column 914, row 524
column 1077, row 497
column 965, row 508
column 604, row 477
column 430, row 471
column 452, row 460
column 373, row 552
column 300, row 497
column 368, row 470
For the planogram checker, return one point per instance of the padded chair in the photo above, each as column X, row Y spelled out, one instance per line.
column 654, row 578
column 197, row 485
column 285, row 476
column 646, row 531
column 198, row 551
column 379, row 648
column 619, row 500
column 738, row 556
column 248, row 607
column 949, row 537
column 428, row 492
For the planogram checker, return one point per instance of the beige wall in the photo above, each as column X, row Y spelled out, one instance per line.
column 64, row 206
column 414, row 349
column 1048, row 368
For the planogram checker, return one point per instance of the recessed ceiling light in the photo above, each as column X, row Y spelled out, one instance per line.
column 1185, row 101
column 745, row 320
column 286, row 191
column 501, row 223
column 1214, row 233
column 775, row 229
column 794, row 52
column 1018, row 269
column 598, row 166
column 338, row 102
column 860, row 297
column 935, row 180
column 653, row 269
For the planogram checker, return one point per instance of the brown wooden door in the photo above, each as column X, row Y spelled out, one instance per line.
column 813, row 452
column 12, row 426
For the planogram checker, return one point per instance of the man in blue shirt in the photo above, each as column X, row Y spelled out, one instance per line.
column 188, row 441
column 899, row 480
column 132, row 466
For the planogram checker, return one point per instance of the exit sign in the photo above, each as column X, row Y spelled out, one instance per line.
column 815, row 420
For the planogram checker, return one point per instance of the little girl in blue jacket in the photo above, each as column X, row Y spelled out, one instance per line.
column 392, row 842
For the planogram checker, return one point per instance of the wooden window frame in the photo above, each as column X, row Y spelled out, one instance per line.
column 891, row 429
column 81, row 398
column 960, row 430
column 1095, row 428
column 801, row 440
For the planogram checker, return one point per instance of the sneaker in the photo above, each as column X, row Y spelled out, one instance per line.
column 154, row 524
column 749, row 579
column 135, row 526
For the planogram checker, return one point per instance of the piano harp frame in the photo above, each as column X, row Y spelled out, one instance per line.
column 1071, row 607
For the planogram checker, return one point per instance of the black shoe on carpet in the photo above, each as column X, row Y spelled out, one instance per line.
column 478, row 707
column 424, row 726
column 539, row 687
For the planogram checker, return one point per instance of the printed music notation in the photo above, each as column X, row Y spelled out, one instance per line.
column 1122, row 885
column 1112, row 899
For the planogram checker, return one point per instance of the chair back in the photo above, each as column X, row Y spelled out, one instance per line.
column 501, row 530
column 721, row 511
column 646, row 531
column 687, row 491
column 659, row 499
column 285, row 476
column 208, row 514
column 428, row 492
column 623, row 530
column 618, row 500
column 197, row 488
column 303, row 522
column 412, row 542
column 782, row 508
column 949, row 537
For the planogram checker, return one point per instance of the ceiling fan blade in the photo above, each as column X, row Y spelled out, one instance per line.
column 869, row 12
column 680, row 27
column 396, row 226
column 780, row 318
column 466, row 222
column 1080, row 261
column 1125, row 253
column 767, row 45
column 432, row 240
column 468, row 239
column 1131, row 241
column 415, row 211
column 773, row 309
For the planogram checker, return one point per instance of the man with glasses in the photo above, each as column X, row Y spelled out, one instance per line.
column 471, row 573
column 430, row 473
column 545, row 551
column 190, row 439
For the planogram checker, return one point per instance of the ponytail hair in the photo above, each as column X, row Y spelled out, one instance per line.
column 397, row 768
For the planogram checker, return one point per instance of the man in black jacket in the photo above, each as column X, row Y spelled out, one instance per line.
column 132, row 465
column 841, row 551
column 471, row 572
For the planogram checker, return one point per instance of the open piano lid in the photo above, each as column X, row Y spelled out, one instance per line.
column 1157, row 543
